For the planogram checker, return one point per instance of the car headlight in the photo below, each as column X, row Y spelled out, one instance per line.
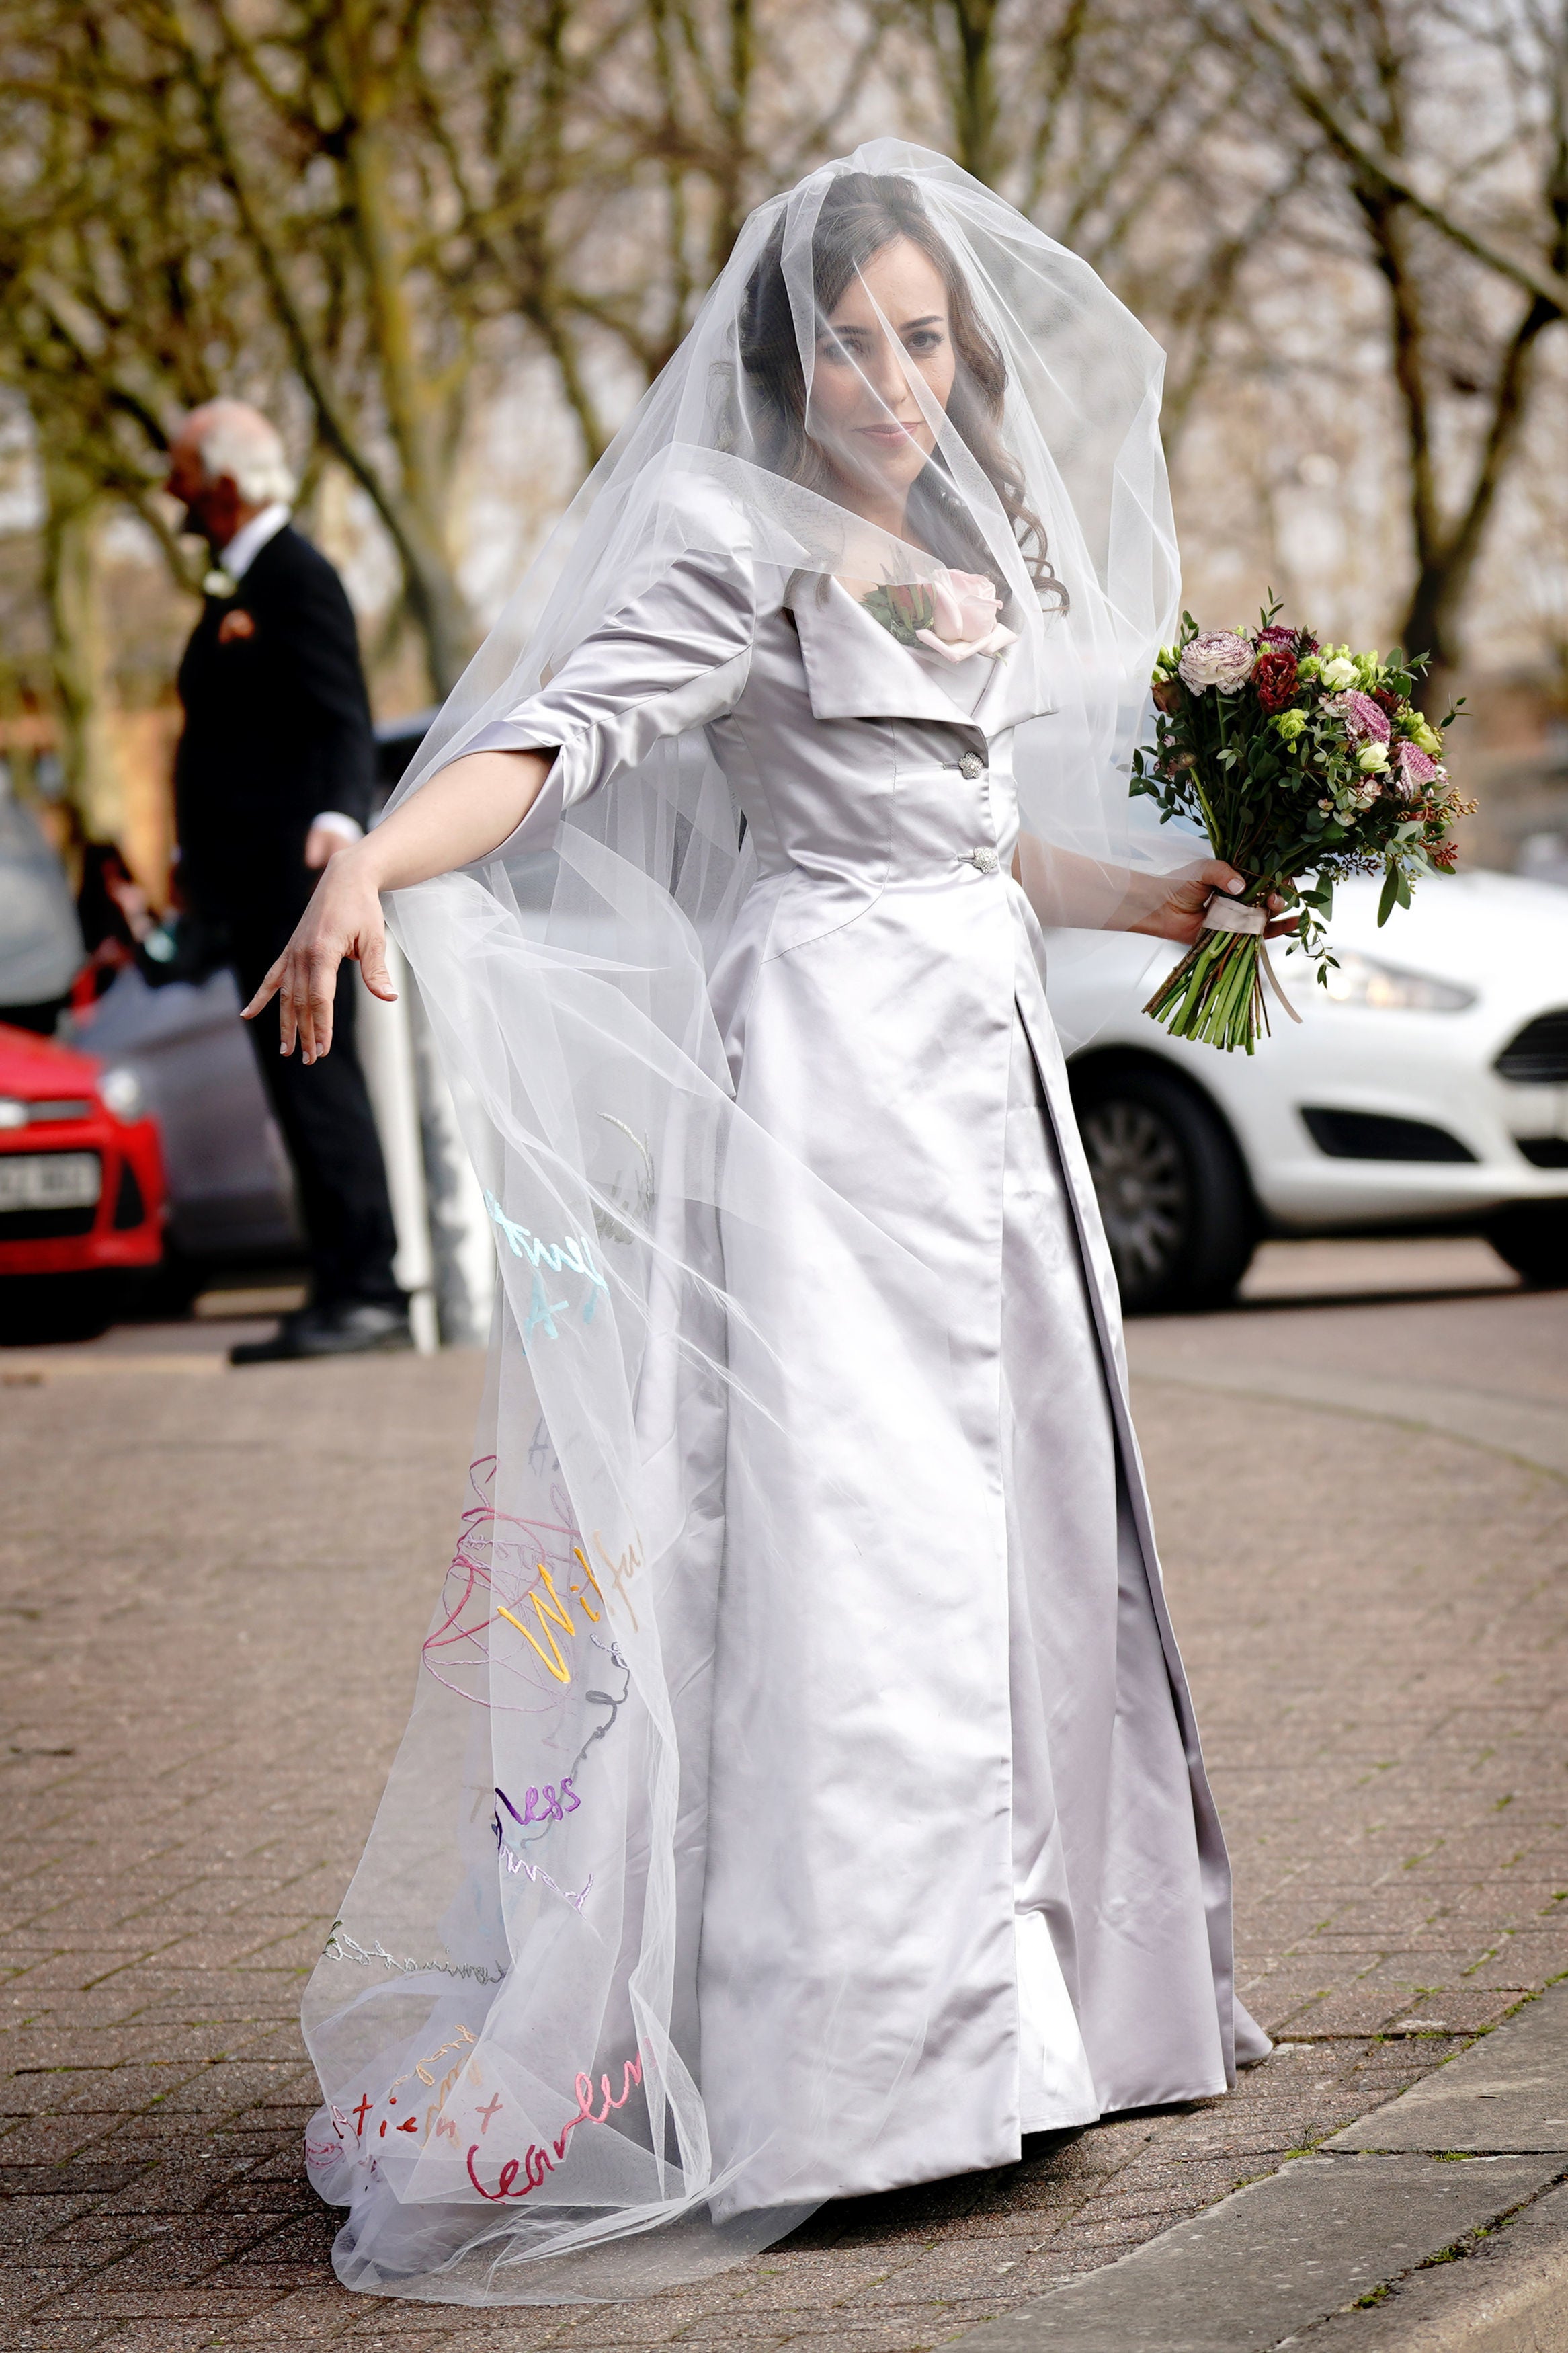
column 122, row 1091
column 11, row 1113
column 1362, row 980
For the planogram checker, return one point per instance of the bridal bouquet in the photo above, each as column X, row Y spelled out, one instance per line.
column 1296, row 759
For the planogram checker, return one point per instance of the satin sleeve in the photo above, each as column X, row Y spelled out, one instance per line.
column 673, row 658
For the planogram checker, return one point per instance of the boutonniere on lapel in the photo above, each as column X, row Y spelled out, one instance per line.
column 236, row 624
column 955, row 614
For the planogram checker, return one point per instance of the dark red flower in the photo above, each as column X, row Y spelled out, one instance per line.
column 1275, row 676
column 1386, row 701
column 1169, row 694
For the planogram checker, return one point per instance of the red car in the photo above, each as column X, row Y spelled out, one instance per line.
column 81, row 1188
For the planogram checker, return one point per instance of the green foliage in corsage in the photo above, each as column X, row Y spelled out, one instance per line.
column 1296, row 760
column 902, row 610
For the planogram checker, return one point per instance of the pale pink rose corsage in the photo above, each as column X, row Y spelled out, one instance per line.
column 955, row 615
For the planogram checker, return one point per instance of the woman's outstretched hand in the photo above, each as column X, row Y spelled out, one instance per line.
column 343, row 919
column 1178, row 913
column 465, row 810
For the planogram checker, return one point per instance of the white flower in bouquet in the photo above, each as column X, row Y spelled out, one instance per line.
column 1372, row 759
column 1217, row 657
column 1338, row 673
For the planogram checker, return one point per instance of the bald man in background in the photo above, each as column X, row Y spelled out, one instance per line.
column 273, row 774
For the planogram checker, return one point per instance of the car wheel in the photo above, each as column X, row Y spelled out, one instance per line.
column 36, row 1309
column 164, row 1293
column 1532, row 1238
column 1178, row 1211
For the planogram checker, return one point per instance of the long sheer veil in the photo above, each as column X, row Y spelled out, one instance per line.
column 506, row 2021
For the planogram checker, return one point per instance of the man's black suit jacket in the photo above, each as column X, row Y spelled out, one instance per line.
column 278, row 730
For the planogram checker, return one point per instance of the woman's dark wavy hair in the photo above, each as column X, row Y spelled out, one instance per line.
column 862, row 213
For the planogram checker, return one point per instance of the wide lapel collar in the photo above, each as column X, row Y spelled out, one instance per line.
column 855, row 668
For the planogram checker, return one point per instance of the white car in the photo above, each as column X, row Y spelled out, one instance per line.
column 1426, row 1088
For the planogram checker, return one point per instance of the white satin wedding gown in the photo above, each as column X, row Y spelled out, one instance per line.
column 952, row 1872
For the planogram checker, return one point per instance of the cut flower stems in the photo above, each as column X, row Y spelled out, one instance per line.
column 1298, row 761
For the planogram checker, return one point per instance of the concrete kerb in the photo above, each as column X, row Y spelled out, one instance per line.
column 1510, row 2295
column 1347, row 2247
column 1522, row 1432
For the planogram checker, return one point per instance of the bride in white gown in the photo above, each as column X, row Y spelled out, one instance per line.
column 803, row 1796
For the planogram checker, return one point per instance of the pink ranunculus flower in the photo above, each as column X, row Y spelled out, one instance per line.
column 1216, row 658
column 1364, row 721
column 1415, row 769
column 965, row 621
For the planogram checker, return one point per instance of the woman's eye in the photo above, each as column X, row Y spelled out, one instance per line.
column 925, row 341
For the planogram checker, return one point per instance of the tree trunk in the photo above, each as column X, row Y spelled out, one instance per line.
column 76, row 648
column 974, row 80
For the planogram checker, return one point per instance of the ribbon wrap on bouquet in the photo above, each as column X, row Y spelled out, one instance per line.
column 1223, row 914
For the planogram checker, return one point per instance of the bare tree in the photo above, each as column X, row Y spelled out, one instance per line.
column 1441, row 133
column 354, row 207
column 1112, row 123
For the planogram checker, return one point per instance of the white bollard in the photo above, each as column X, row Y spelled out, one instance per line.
column 384, row 1035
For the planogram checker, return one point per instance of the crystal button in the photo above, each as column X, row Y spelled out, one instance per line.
column 987, row 861
column 971, row 765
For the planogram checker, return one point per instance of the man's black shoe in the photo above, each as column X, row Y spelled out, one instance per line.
column 351, row 1328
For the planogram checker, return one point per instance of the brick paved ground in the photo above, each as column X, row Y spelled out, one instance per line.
column 212, row 1619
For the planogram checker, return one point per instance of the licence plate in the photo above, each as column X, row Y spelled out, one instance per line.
column 49, row 1180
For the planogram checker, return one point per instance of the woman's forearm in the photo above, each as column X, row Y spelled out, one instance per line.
column 1079, row 893
column 463, row 813
column 1094, row 894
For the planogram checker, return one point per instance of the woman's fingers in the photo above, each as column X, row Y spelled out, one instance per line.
column 343, row 919
column 373, row 965
column 271, row 982
column 324, row 969
column 1221, row 877
column 288, row 1006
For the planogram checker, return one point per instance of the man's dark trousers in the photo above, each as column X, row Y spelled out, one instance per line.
column 324, row 1109
column 277, row 730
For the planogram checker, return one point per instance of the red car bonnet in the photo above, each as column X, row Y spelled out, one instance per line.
column 38, row 1070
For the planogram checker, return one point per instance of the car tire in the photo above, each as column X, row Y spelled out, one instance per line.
column 1532, row 1238
column 166, row 1293
column 38, row 1309
column 1179, row 1212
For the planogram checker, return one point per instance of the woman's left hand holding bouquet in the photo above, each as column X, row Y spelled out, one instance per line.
column 1177, row 909
column 464, row 812
column 1065, row 889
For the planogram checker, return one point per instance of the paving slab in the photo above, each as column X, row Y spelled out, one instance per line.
column 214, row 1591
column 1272, row 2258
column 1507, row 2092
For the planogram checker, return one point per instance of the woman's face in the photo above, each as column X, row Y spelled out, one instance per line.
column 890, row 324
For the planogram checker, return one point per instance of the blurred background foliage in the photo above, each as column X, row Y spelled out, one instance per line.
column 446, row 243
